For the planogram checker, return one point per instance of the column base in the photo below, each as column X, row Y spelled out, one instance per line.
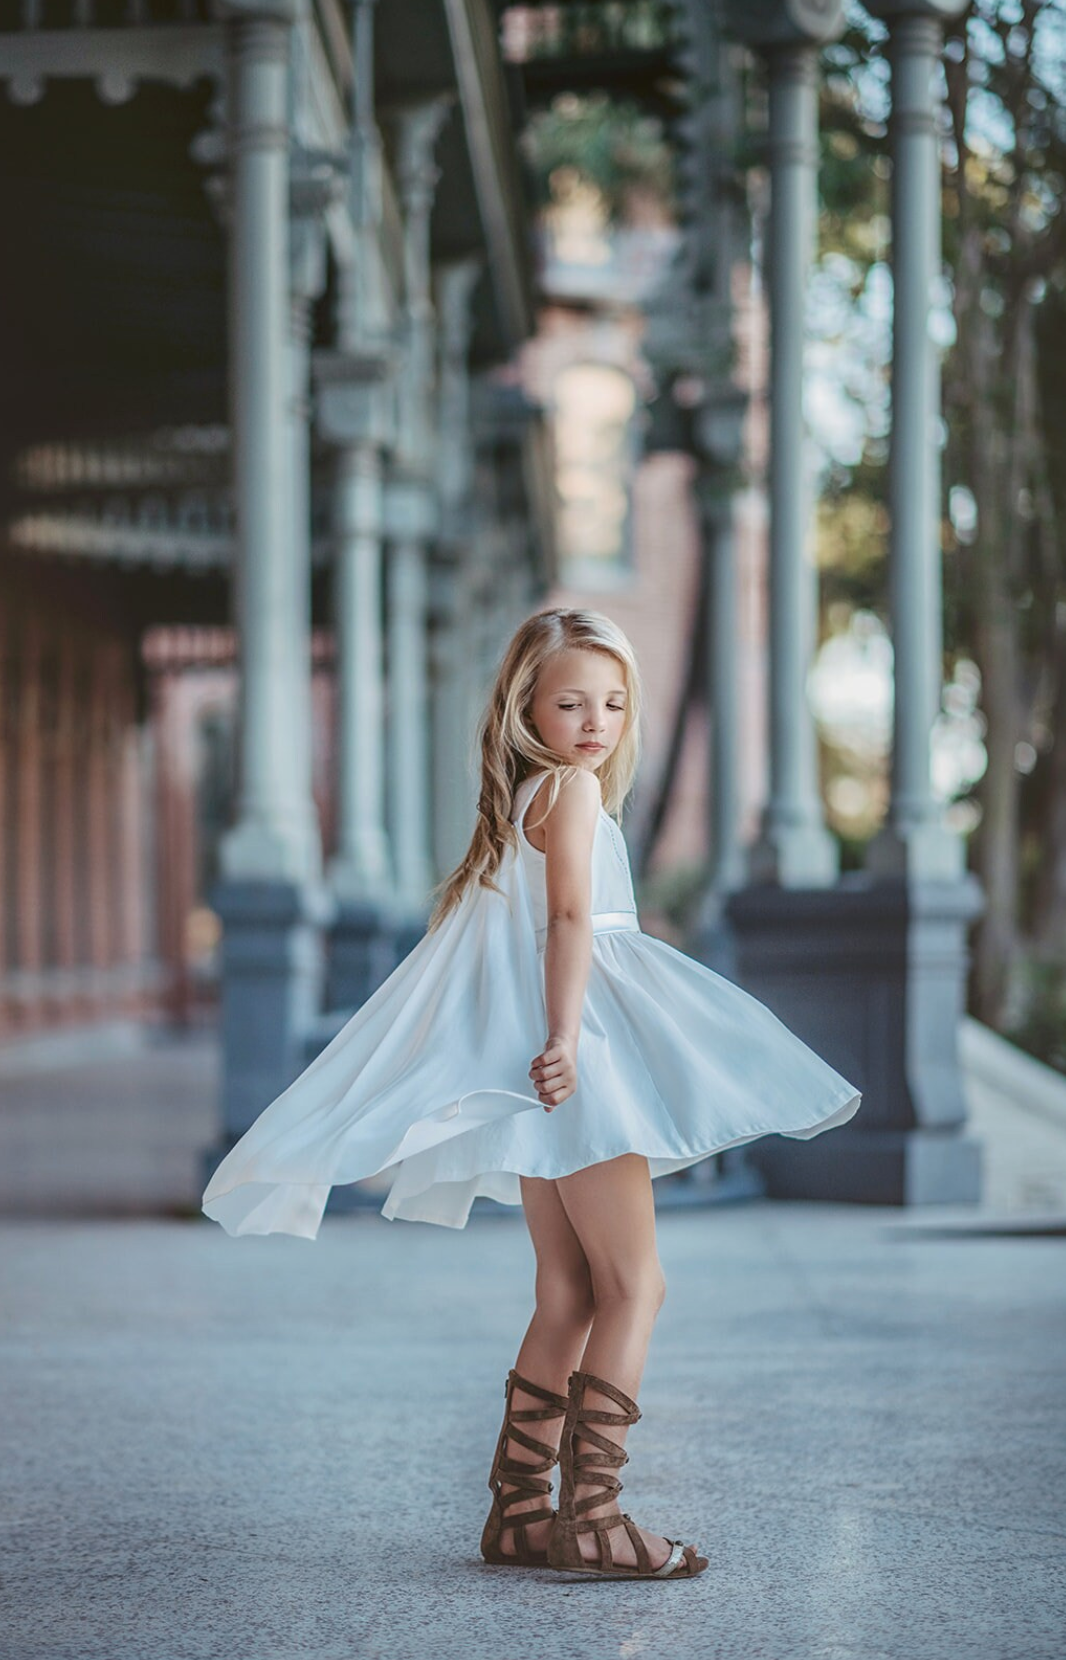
column 872, row 975
column 271, row 986
column 794, row 856
column 406, row 925
column 361, row 953
column 257, row 852
column 922, row 852
column 358, row 880
column 889, row 1167
column 711, row 939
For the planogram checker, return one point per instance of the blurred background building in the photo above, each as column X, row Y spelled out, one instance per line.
column 338, row 336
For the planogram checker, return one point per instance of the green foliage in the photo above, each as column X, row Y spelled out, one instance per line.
column 853, row 174
column 611, row 144
column 1042, row 1030
column 1004, row 393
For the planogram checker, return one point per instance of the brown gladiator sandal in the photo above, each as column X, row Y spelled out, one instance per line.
column 564, row 1547
column 525, row 1480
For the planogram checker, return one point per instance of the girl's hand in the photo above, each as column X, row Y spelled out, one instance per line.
column 554, row 1071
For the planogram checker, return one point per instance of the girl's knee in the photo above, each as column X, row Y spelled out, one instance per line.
column 644, row 1288
column 566, row 1298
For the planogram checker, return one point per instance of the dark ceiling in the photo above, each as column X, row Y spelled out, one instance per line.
column 113, row 284
column 112, row 290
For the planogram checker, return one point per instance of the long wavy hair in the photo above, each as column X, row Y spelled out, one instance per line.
column 511, row 748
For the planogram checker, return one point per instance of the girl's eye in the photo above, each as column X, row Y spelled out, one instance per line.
column 618, row 708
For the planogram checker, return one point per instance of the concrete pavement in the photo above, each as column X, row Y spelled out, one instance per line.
column 264, row 1449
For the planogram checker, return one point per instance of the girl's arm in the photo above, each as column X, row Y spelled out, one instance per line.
column 569, row 831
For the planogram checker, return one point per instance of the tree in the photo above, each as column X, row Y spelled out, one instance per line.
column 1004, row 392
column 1005, row 242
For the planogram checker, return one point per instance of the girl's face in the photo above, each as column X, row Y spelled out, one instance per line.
column 580, row 702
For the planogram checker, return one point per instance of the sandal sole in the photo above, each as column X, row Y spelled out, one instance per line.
column 621, row 1573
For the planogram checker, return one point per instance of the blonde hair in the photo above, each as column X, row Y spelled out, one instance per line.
column 511, row 751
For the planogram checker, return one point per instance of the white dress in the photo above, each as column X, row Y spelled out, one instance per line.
column 430, row 1077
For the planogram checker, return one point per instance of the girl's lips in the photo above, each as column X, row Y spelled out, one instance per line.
column 590, row 746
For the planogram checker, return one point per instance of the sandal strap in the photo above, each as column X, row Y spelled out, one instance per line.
column 557, row 1404
column 677, row 1551
column 594, row 1468
column 525, row 1478
column 548, row 1455
column 630, row 1413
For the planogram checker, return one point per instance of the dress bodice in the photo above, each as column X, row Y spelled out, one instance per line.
column 613, row 903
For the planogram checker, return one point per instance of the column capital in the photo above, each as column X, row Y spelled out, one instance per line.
column 418, row 126
column 769, row 24
column 316, row 180
column 353, row 396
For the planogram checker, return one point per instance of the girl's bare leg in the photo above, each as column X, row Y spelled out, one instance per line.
column 613, row 1215
column 555, row 1338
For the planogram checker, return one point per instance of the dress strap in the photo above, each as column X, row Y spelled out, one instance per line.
column 536, row 779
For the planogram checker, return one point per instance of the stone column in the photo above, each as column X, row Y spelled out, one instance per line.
column 454, row 774
column 715, row 496
column 313, row 186
column 456, row 282
column 915, row 840
column 276, row 833
column 413, row 522
column 408, row 768
column 794, row 848
column 26, row 775
column 270, row 898
column 871, row 972
column 353, row 405
column 360, row 869
column 66, row 817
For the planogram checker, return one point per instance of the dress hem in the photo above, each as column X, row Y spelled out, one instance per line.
column 674, row 1158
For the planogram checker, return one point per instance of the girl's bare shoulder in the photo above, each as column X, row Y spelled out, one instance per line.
column 575, row 809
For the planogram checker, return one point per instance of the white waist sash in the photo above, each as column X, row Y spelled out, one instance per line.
column 603, row 922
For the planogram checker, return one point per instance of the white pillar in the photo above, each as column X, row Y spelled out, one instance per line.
column 353, row 409
column 915, row 840
column 794, row 847
column 413, row 495
column 723, row 670
column 361, row 869
column 453, row 774
column 276, row 833
column 456, row 282
column 307, row 274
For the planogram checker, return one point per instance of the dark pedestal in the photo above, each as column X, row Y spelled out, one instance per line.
column 272, row 969
column 871, row 974
column 362, row 953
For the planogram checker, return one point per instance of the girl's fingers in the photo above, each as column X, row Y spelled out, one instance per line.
column 556, row 1087
column 553, row 1076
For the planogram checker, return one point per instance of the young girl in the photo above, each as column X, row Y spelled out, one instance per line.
column 648, row 1062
